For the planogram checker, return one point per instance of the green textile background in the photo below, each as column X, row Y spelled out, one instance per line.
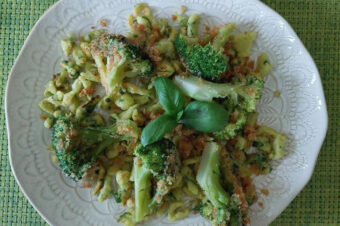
column 317, row 22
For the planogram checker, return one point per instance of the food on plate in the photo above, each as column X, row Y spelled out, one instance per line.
column 163, row 119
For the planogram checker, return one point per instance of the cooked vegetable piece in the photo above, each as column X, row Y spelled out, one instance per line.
column 142, row 180
column 78, row 148
column 201, row 61
column 161, row 160
column 245, row 93
column 117, row 59
column 232, row 128
column 220, row 207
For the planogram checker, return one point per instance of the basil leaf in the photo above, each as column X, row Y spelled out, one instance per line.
column 179, row 115
column 205, row 116
column 157, row 128
column 169, row 95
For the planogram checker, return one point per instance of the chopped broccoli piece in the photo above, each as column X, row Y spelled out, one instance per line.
column 245, row 93
column 202, row 61
column 117, row 59
column 77, row 148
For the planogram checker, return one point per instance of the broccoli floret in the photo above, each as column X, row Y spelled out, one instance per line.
column 206, row 209
column 161, row 160
column 202, row 61
column 231, row 130
column 270, row 141
column 245, row 93
column 216, row 216
column 77, row 148
column 117, row 59
column 221, row 216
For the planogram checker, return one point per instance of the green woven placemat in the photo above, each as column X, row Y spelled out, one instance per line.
column 317, row 22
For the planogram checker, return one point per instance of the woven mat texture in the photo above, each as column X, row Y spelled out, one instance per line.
column 317, row 22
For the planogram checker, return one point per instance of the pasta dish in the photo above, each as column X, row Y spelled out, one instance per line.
column 162, row 119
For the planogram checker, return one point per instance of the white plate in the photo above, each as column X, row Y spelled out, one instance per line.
column 300, row 111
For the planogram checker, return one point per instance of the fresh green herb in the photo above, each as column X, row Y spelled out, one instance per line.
column 205, row 116
column 202, row 116
column 169, row 95
column 179, row 115
column 156, row 129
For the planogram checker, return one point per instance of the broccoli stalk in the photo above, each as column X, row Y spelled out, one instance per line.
column 142, row 179
column 245, row 93
column 208, row 175
column 117, row 59
column 216, row 208
column 77, row 148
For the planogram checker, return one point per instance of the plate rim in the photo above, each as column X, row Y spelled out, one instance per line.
column 10, row 153
column 309, row 173
column 323, row 99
